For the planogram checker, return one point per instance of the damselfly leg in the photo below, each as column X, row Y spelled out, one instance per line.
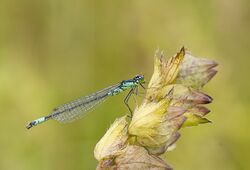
column 126, row 100
column 142, row 86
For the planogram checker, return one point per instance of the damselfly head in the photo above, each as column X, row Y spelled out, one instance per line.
column 139, row 79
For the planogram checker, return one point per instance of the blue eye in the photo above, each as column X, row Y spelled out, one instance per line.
column 138, row 77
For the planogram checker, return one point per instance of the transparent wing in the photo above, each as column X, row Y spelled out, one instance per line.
column 76, row 109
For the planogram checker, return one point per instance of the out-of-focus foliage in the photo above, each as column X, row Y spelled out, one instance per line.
column 54, row 51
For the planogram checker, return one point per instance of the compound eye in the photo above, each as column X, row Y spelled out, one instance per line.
column 138, row 77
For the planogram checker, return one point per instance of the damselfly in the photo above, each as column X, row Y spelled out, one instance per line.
column 76, row 109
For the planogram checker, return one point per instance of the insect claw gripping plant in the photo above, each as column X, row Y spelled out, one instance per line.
column 173, row 100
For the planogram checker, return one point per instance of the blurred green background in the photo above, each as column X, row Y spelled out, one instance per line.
column 52, row 51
